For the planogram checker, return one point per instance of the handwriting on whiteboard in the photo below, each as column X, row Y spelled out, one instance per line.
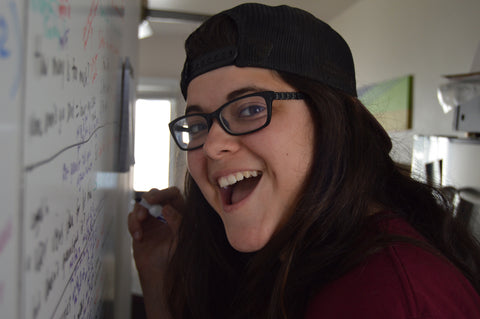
column 11, row 46
column 55, row 16
column 66, row 257
column 4, row 51
column 6, row 233
column 71, row 126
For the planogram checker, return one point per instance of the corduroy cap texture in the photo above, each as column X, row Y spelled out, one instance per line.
column 281, row 38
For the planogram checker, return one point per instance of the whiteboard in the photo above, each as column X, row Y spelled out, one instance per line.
column 62, row 126
column 11, row 66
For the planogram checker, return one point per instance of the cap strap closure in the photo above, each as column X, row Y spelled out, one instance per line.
column 210, row 61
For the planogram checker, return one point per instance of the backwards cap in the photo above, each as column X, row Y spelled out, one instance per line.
column 284, row 39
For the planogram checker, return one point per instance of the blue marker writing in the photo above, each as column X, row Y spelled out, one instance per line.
column 154, row 210
column 4, row 52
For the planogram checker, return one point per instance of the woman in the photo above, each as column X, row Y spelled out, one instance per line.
column 293, row 207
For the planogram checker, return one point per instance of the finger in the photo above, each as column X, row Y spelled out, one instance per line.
column 141, row 212
column 171, row 196
column 134, row 226
column 173, row 218
column 136, row 218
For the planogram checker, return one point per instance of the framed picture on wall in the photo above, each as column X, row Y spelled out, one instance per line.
column 390, row 102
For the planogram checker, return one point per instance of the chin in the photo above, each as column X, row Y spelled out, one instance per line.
column 245, row 244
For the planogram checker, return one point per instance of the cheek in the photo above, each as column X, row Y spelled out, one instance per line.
column 293, row 145
column 296, row 146
column 195, row 165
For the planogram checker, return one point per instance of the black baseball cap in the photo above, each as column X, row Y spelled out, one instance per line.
column 281, row 38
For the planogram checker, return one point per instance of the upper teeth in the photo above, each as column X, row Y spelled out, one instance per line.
column 236, row 177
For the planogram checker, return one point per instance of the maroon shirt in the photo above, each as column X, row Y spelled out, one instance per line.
column 401, row 281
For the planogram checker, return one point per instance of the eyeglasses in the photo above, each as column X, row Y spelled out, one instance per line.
column 243, row 115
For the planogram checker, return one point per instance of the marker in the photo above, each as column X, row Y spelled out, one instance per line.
column 154, row 210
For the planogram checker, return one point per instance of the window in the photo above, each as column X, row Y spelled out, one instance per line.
column 152, row 144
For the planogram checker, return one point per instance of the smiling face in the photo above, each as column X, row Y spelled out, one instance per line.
column 252, row 181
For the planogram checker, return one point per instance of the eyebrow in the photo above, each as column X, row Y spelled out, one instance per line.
column 230, row 96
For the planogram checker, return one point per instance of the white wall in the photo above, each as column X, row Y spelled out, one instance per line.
column 424, row 38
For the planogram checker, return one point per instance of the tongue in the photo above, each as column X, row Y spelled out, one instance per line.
column 243, row 188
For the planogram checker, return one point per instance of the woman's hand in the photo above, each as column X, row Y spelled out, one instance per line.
column 154, row 243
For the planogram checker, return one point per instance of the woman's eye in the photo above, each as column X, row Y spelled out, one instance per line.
column 196, row 128
column 251, row 110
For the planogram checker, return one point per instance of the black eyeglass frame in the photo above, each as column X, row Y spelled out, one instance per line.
column 269, row 97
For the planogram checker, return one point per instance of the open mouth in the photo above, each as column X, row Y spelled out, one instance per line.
column 236, row 187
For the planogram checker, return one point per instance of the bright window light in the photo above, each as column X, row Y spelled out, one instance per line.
column 152, row 144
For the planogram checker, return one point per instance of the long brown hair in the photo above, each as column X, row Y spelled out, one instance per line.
column 327, row 235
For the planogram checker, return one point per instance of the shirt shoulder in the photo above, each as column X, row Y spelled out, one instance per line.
column 400, row 281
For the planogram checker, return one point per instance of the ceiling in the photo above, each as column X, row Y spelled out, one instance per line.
column 323, row 9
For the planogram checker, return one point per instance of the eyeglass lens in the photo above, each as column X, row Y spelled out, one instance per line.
column 238, row 117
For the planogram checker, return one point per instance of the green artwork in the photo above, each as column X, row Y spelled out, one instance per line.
column 390, row 102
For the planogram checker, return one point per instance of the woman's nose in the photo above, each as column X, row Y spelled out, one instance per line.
column 219, row 142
